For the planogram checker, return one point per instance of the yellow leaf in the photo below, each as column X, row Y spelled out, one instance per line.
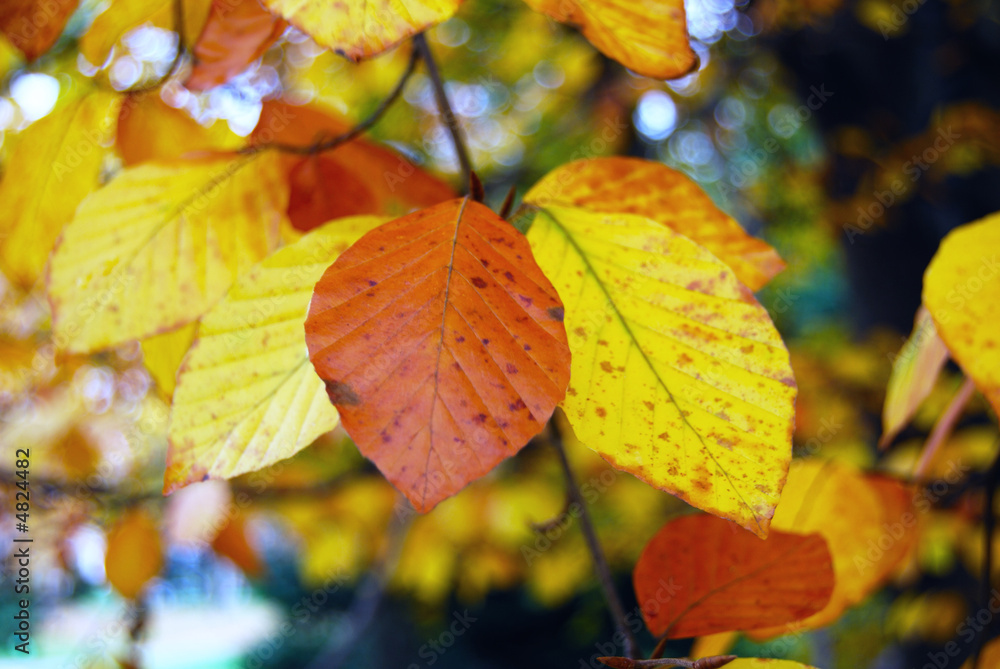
column 914, row 372
column 962, row 292
column 134, row 554
column 162, row 354
column 362, row 28
column 17, row 366
column 159, row 245
column 647, row 36
column 247, row 395
column 651, row 189
column 55, row 164
column 121, row 16
column 678, row 375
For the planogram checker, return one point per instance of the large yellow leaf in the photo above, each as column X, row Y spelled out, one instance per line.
column 159, row 245
column 247, row 395
column 55, row 164
column 362, row 28
column 647, row 36
column 135, row 554
column 962, row 292
column 678, row 375
column 651, row 189
column 914, row 372
column 121, row 16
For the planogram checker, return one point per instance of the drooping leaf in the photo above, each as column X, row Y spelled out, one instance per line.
column 357, row 178
column 679, row 376
column 648, row 37
column 247, row 396
column 363, row 28
column 134, row 554
column 58, row 161
column 727, row 579
column 237, row 33
column 647, row 188
column 149, row 129
column 33, row 27
column 914, row 372
column 122, row 16
column 962, row 292
column 442, row 344
column 162, row 355
column 159, row 245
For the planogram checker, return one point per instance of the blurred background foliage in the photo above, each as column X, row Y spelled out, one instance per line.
column 802, row 114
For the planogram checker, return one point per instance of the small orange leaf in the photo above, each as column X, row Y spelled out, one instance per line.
column 620, row 185
column 150, row 129
column 231, row 542
column 237, row 33
column 701, row 575
column 134, row 554
column 442, row 345
column 33, row 27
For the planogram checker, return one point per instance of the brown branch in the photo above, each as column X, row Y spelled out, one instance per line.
column 444, row 107
column 713, row 662
column 944, row 426
column 594, row 546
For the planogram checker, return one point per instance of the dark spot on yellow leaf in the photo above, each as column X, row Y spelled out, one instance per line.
column 557, row 313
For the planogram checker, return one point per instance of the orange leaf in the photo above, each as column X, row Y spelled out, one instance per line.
column 442, row 344
column 355, row 179
column 33, row 27
column 237, row 33
column 149, row 129
column 231, row 542
column 722, row 579
column 619, row 185
column 134, row 554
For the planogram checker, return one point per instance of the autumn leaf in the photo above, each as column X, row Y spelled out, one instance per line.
column 651, row 189
column 231, row 542
column 58, row 162
column 134, row 554
column 914, row 371
column 648, row 37
column 363, row 28
column 237, row 33
column 357, row 178
column 159, row 245
column 728, row 580
column 247, row 396
column 33, row 27
column 679, row 376
column 122, row 16
column 442, row 345
column 962, row 292
column 149, row 129
column 162, row 355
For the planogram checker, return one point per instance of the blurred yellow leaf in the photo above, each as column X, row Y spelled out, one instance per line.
column 162, row 355
column 159, row 245
column 134, row 554
column 121, row 16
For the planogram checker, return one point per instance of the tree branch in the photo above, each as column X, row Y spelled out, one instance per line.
column 594, row 546
column 944, row 426
column 444, row 107
column 713, row 662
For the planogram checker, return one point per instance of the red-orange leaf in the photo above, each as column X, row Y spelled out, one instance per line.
column 357, row 178
column 442, row 344
column 701, row 575
column 236, row 34
column 33, row 27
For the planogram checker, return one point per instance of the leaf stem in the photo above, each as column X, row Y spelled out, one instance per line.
column 594, row 546
column 944, row 426
column 444, row 107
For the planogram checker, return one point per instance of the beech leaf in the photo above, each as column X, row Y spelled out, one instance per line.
column 134, row 554
column 442, row 344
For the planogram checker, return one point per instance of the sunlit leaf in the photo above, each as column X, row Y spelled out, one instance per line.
column 679, row 376
column 363, row 28
column 962, row 292
column 247, row 396
column 134, row 554
column 162, row 355
column 58, row 163
column 442, row 345
column 159, row 245
column 121, row 16
column 33, row 27
column 700, row 575
column 635, row 186
column 237, row 33
column 149, row 129
column 647, row 36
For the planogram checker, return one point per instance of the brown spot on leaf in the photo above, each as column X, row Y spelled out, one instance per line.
column 341, row 393
column 557, row 313
column 606, row 366
column 601, row 411
column 478, row 282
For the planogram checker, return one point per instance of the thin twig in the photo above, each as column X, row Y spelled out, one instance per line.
column 594, row 546
column 713, row 662
column 343, row 138
column 944, row 426
column 444, row 107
